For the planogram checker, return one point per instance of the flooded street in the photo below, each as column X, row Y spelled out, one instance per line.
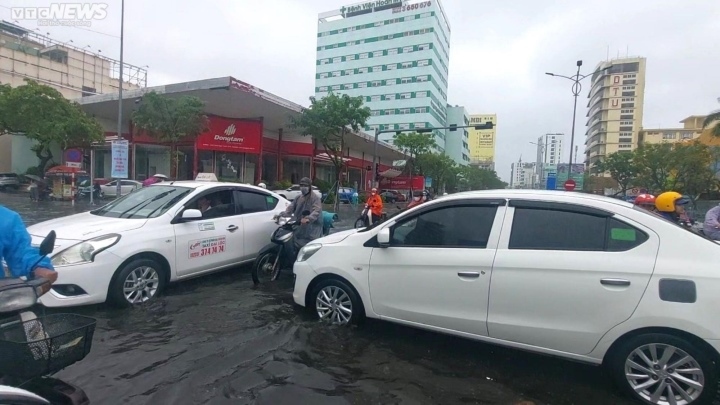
column 219, row 340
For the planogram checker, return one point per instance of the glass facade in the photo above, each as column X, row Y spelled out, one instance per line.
column 395, row 56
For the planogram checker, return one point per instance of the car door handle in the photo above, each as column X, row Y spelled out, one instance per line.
column 469, row 274
column 615, row 282
column 232, row 228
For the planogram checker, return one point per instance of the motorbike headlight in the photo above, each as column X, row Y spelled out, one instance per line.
column 307, row 251
column 15, row 299
column 84, row 252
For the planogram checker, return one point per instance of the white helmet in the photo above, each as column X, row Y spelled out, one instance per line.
column 263, row 185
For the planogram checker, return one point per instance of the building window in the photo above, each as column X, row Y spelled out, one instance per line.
column 391, row 67
column 337, row 60
column 406, row 95
column 628, row 111
column 626, row 122
column 404, row 111
column 323, row 75
column 628, row 99
column 407, row 49
column 423, row 78
column 375, row 112
column 389, row 97
column 390, row 112
column 377, row 68
column 364, row 55
column 393, row 51
column 377, row 83
column 624, row 146
column 362, row 85
column 377, row 54
column 425, row 62
column 375, row 98
column 350, row 57
column 349, row 72
column 406, row 80
column 421, row 110
column 406, row 65
column 419, row 125
column 423, row 47
column 669, row 135
column 421, row 94
column 380, row 23
column 336, row 87
column 336, row 74
column 348, row 86
column 363, row 70
column 390, row 82
column 323, row 88
column 324, row 61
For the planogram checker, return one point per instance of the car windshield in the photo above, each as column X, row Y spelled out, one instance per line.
column 148, row 202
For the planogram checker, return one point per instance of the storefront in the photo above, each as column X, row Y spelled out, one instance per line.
column 230, row 148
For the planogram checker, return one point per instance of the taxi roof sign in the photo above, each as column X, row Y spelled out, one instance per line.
column 206, row 177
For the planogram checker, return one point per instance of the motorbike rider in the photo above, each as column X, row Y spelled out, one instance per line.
column 375, row 204
column 419, row 199
column 645, row 201
column 263, row 185
column 671, row 206
column 16, row 250
column 311, row 226
column 711, row 226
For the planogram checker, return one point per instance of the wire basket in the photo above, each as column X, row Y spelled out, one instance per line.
column 44, row 345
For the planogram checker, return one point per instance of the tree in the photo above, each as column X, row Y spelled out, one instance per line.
column 413, row 144
column 711, row 121
column 474, row 178
column 42, row 114
column 655, row 167
column 693, row 170
column 439, row 167
column 170, row 120
column 327, row 121
column 622, row 169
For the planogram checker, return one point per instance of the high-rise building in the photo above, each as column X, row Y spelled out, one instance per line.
column 615, row 108
column 549, row 149
column 457, row 141
column 522, row 174
column 482, row 141
column 394, row 54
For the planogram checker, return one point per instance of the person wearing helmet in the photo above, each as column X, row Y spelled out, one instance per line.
column 645, row 201
column 311, row 226
column 419, row 198
column 671, row 206
column 263, row 185
column 375, row 204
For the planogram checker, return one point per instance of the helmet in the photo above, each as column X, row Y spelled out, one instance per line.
column 667, row 201
column 645, row 199
column 374, row 190
column 263, row 185
column 305, row 181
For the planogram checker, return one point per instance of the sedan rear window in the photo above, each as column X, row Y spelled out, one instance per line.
column 148, row 202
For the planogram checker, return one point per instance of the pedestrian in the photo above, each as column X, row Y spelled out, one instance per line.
column 711, row 226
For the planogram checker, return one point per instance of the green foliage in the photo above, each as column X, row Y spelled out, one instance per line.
column 281, row 185
column 322, row 185
column 713, row 121
column 414, row 144
column 170, row 119
column 328, row 120
column 622, row 168
column 441, row 168
column 42, row 114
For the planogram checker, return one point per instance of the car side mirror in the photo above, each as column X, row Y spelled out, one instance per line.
column 383, row 237
column 48, row 244
column 191, row 214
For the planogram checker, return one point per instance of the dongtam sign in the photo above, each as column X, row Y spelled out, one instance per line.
column 369, row 7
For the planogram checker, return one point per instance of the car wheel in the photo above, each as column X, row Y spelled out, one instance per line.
column 337, row 303
column 136, row 283
column 665, row 369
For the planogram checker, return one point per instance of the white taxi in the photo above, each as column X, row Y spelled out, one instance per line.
column 127, row 251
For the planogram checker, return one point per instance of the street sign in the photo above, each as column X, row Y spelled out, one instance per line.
column 569, row 185
column 119, row 160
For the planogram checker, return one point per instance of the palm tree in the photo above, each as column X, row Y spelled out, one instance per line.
column 710, row 119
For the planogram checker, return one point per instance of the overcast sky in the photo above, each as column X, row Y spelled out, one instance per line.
column 499, row 53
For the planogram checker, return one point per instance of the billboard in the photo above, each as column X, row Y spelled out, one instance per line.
column 578, row 174
column 482, row 141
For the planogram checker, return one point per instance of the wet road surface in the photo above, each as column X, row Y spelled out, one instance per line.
column 219, row 340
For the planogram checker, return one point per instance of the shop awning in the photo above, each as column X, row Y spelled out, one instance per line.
column 324, row 157
column 390, row 173
column 64, row 170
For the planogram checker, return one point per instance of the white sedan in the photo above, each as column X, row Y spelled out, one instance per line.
column 126, row 187
column 127, row 251
column 293, row 192
column 579, row 276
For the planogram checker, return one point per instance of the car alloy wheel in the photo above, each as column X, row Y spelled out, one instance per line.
column 334, row 305
column 141, row 285
column 664, row 374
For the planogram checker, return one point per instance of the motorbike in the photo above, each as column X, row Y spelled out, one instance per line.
column 33, row 348
column 43, row 194
column 84, row 192
column 365, row 219
column 280, row 252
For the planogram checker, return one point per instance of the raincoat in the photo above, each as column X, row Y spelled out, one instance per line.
column 313, row 229
column 15, row 246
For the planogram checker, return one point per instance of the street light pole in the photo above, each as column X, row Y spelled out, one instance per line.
column 120, row 89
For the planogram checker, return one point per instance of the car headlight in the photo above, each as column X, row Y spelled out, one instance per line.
column 307, row 251
column 84, row 252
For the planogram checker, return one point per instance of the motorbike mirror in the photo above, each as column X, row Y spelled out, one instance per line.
column 48, row 244
column 305, row 213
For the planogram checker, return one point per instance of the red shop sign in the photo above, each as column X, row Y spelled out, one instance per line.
column 403, row 183
column 231, row 135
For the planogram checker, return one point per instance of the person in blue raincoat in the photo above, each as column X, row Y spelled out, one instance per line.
column 19, row 255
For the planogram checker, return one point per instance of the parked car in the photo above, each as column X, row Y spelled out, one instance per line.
column 9, row 180
column 580, row 276
column 345, row 194
column 293, row 192
column 393, row 196
column 127, row 251
column 126, row 187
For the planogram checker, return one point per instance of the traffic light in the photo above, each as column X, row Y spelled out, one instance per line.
column 453, row 127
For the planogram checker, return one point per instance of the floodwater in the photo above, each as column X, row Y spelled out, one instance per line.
column 219, row 340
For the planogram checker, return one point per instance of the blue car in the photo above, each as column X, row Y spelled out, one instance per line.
column 345, row 195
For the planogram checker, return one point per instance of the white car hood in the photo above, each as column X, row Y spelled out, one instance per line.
column 335, row 237
column 80, row 227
